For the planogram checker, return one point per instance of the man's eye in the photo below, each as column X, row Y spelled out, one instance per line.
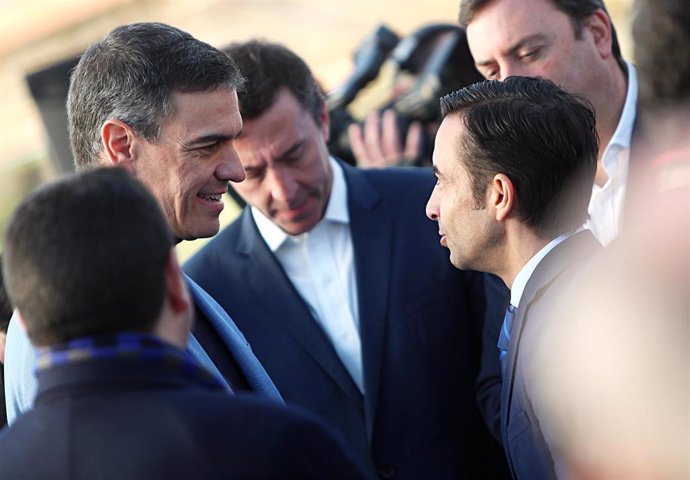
column 491, row 74
column 210, row 148
column 528, row 55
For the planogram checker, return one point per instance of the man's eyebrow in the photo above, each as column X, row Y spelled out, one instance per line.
column 291, row 149
column 514, row 48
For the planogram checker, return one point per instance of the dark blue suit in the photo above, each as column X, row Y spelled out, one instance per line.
column 420, row 322
column 231, row 346
column 528, row 454
column 128, row 419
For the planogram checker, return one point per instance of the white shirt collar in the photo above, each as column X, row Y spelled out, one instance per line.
column 622, row 137
column 336, row 211
column 526, row 272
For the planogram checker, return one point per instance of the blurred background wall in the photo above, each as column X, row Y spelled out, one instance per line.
column 40, row 38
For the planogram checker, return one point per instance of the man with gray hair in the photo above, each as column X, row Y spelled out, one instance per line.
column 161, row 104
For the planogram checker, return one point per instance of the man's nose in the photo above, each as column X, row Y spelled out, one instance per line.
column 432, row 206
column 230, row 168
column 281, row 185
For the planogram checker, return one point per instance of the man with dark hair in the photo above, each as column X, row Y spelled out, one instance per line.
column 339, row 283
column 114, row 376
column 514, row 163
column 662, row 52
column 161, row 104
column 572, row 43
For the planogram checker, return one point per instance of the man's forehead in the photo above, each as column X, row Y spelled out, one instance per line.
column 506, row 23
column 206, row 112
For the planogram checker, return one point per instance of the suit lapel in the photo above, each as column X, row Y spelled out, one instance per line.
column 274, row 290
column 253, row 371
column 372, row 242
column 572, row 250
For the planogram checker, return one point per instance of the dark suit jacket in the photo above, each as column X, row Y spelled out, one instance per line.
column 419, row 324
column 124, row 419
column 528, row 454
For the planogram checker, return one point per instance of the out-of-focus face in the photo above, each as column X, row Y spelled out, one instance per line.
column 466, row 228
column 284, row 154
column 189, row 167
column 532, row 38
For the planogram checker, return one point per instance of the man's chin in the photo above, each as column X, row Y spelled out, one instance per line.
column 198, row 232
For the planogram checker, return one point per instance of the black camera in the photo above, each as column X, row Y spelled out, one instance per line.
column 429, row 63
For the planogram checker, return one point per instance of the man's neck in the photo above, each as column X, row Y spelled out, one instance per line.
column 521, row 245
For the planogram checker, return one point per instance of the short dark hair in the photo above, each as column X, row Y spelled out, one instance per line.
column 539, row 136
column 86, row 256
column 662, row 51
column 268, row 67
column 576, row 10
column 131, row 76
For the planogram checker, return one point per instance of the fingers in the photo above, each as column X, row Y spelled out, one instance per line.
column 413, row 144
column 391, row 146
column 359, row 150
column 377, row 144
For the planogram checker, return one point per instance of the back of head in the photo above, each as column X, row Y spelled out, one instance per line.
column 86, row 256
column 268, row 67
column 576, row 10
column 542, row 138
column 131, row 76
column 662, row 52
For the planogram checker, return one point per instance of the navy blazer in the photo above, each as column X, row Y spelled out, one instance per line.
column 128, row 419
column 20, row 382
column 420, row 324
column 528, row 454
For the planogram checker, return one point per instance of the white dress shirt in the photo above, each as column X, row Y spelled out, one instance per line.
column 607, row 202
column 320, row 265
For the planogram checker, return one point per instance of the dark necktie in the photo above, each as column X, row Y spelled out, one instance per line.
column 504, row 337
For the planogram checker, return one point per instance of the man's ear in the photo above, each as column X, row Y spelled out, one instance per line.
column 501, row 196
column 599, row 25
column 324, row 118
column 176, row 287
column 119, row 144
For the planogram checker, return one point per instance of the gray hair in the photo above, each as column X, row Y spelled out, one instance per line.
column 131, row 76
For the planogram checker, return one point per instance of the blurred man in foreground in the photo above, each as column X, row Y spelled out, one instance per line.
column 623, row 410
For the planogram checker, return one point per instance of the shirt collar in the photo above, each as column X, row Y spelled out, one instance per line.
column 336, row 211
column 622, row 137
column 526, row 272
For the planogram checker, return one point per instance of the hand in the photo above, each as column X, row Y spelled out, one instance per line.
column 378, row 144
